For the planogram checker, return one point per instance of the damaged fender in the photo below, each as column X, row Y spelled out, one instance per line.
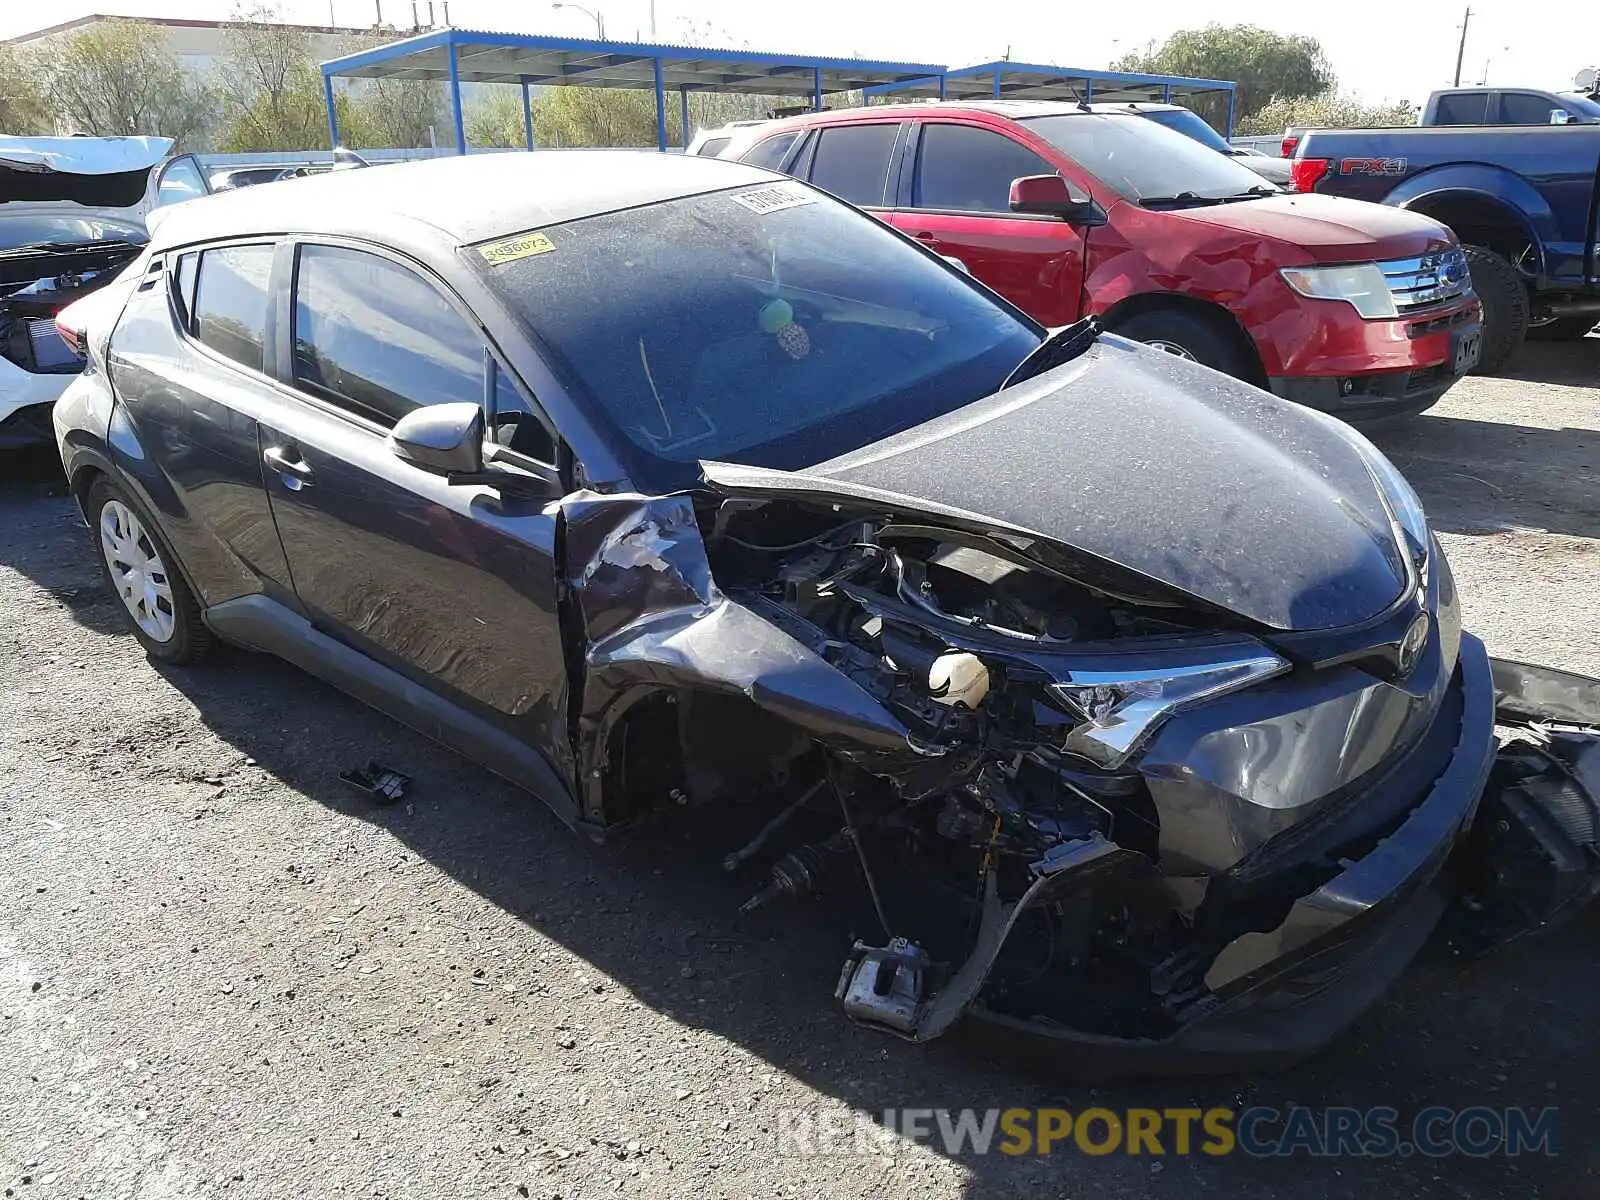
column 650, row 619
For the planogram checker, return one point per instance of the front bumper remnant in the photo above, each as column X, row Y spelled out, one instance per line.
column 1505, row 843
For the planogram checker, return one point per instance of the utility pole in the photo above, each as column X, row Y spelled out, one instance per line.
column 1461, row 50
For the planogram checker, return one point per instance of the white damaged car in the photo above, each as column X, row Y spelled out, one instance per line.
column 72, row 216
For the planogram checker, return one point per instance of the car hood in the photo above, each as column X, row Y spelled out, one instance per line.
column 1166, row 469
column 1327, row 228
column 100, row 173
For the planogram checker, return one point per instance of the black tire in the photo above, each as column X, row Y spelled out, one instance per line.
column 1562, row 329
column 1195, row 336
column 189, row 641
column 1505, row 307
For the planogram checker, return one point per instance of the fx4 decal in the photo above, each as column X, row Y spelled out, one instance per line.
column 1372, row 166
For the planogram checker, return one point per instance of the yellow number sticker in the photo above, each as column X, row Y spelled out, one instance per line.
column 524, row 245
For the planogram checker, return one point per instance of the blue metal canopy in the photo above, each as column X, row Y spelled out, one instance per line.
column 1033, row 81
column 458, row 56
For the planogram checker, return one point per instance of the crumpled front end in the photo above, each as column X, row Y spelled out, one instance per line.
column 1080, row 807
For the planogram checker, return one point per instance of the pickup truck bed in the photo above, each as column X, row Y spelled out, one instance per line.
column 1524, row 200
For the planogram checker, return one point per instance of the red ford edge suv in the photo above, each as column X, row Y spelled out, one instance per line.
column 1349, row 307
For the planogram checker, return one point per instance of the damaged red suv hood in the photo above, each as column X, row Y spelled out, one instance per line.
column 1175, row 473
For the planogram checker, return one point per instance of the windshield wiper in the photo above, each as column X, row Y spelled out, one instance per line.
column 1178, row 199
column 84, row 247
column 1062, row 346
column 1255, row 193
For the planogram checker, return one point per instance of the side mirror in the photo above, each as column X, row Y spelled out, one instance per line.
column 446, row 439
column 1560, row 116
column 1053, row 196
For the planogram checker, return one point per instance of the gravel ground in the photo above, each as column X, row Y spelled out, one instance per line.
column 222, row 975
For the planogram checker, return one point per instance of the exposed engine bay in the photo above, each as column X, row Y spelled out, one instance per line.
column 28, row 334
column 1016, row 857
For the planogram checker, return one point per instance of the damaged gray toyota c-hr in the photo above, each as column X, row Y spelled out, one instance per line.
column 1131, row 702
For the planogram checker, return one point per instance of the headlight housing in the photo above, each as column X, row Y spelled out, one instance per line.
column 1120, row 708
column 1360, row 285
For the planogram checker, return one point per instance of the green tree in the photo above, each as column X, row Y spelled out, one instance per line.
column 24, row 104
column 117, row 77
column 1327, row 111
column 1267, row 66
column 397, row 113
column 270, row 88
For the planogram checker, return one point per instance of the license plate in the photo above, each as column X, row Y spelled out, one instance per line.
column 1468, row 349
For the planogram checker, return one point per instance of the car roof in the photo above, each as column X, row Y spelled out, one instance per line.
column 461, row 199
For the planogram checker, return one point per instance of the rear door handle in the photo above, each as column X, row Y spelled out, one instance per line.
column 286, row 462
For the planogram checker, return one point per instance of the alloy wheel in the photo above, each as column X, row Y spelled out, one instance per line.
column 137, row 571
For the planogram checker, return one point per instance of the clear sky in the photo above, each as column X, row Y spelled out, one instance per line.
column 1380, row 48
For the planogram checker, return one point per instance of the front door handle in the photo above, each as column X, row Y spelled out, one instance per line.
column 286, row 462
column 922, row 235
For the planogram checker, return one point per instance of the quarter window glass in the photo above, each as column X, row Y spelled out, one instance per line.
column 1467, row 109
column 712, row 147
column 969, row 169
column 1526, row 108
column 853, row 160
column 230, row 306
column 378, row 339
column 770, row 153
column 518, row 425
column 188, row 268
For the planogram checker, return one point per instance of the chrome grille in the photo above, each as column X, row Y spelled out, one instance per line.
column 1432, row 279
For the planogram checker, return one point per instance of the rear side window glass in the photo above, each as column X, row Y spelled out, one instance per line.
column 1527, row 108
column 852, row 161
column 230, row 304
column 968, row 169
column 770, row 153
column 1467, row 109
column 377, row 339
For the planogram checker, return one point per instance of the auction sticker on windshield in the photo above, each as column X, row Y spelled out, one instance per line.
column 774, row 198
column 524, row 245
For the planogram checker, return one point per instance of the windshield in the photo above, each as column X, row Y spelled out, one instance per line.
column 1581, row 106
column 1143, row 160
column 1189, row 124
column 770, row 326
column 32, row 229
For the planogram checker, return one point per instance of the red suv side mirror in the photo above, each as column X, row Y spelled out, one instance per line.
column 1053, row 196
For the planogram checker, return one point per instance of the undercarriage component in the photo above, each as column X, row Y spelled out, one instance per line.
column 884, row 985
column 799, row 873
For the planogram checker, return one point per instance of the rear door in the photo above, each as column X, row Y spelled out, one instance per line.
column 453, row 586
column 957, row 201
column 187, row 360
column 851, row 161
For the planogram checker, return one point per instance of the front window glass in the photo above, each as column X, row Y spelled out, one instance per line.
column 378, row 339
column 962, row 168
column 767, row 326
column 180, row 180
column 1144, row 161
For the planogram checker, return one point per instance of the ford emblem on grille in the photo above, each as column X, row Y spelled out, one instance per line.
column 1411, row 646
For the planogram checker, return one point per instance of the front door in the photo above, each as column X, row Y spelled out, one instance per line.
column 960, row 207
column 453, row 586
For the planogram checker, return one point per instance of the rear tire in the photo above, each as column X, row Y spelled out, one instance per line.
column 1505, row 307
column 140, row 569
column 1187, row 335
column 1562, row 329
